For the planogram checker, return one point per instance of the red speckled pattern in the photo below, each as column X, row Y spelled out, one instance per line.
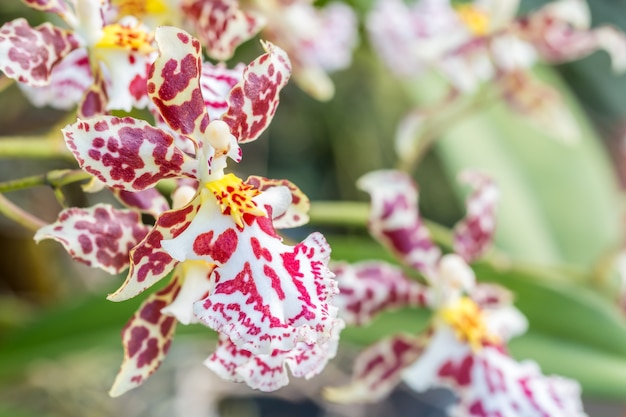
column 28, row 54
column 297, row 212
column 100, row 236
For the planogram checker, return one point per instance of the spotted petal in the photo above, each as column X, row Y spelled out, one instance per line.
column 146, row 339
column 100, row 236
column 368, row 288
column 253, row 101
column 221, row 25
column 378, row 369
column 149, row 262
column 474, row 233
column 296, row 213
column 267, row 295
column 50, row 6
column 394, row 219
column 216, row 81
column 268, row 372
column 126, row 153
column 174, row 82
column 28, row 54
column 489, row 382
column 69, row 80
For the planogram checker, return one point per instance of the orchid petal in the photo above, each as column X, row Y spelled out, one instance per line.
column 474, row 233
column 394, row 219
column 146, row 338
column 216, row 81
column 69, row 80
column 149, row 262
column 489, row 382
column 174, row 83
column 100, row 236
column 28, row 54
column 221, row 25
column 253, row 101
column 127, row 78
column 268, row 295
column 378, row 369
column 368, row 288
column 50, row 6
column 268, row 372
column 126, row 153
column 197, row 283
column 94, row 101
column 149, row 201
column 296, row 213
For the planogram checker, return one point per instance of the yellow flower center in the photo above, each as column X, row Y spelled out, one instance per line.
column 468, row 323
column 475, row 19
column 235, row 198
column 140, row 8
column 122, row 37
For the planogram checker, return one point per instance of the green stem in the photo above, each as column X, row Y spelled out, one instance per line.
column 5, row 82
column 29, row 147
column 19, row 216
column 352, row 213
column 55, row 179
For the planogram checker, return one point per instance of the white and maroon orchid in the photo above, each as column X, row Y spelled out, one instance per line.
column 61, row 67
column 317, row 40
column 484, row 41
column 464, row 347
column 270, row 302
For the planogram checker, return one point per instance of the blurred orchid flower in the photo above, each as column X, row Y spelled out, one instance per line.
column 464, row 347
column 99, row 64
column 483, row 41
column 317, row 40
column 270, row 302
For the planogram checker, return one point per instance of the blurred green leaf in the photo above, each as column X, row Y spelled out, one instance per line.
column 559, row 203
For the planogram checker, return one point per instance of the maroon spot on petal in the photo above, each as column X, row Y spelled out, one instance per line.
column 149, row 354
column 137, row 336
column 151, row 312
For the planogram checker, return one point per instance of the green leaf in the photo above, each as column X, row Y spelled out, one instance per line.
column 559, row 203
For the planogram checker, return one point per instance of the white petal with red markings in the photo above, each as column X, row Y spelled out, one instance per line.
column 146, row 338
column 216, row 81
column 296, row 214
column 221, row 26
column 126, row 78
column 474, row 233
column 369, row 287
column 268, row 295
column 253, row 101
column 149, row 262
column 269, row 372
column 100, row 236
column 69, row 80
column 394, row 219
column 126, row 153
column 378, row 369
column 174, row 82
column 28, row 54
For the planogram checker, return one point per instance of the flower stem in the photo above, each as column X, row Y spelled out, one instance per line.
column 55, row 179
column 28, row 147
column 5, row 82
column 19, row 216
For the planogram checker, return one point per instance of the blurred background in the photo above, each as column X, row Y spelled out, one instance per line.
column 562, row 205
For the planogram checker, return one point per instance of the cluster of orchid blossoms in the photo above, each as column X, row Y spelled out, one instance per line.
column 270, row 303
column 484, row 43
column 464, row 347
column 278, row 307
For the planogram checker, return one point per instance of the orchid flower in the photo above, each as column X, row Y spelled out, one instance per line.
column 464, row 347
column 270, row 302
column 483, row 41
column 100, row 65
column 317, row 40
